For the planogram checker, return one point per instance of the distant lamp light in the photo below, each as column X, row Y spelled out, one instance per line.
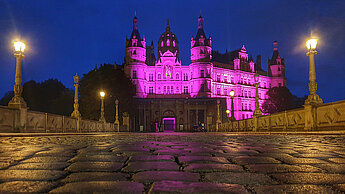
column 232, row 93
column 227, row 111
column 19, row 46
column 311, row 44
column 102, row 94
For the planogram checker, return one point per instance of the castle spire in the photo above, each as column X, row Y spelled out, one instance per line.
column 168, row 27
column 200, row 22
column 135, row 22
column 275, row 45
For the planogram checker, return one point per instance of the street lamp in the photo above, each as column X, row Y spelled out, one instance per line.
column 257, row 111
column 232, row 94
column 102, row 119
column 313, row 98
column 76, row 114
column 17, row 101
column 117, row 123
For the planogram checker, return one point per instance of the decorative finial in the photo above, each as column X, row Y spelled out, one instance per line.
column 168, row 27
column 275, row 45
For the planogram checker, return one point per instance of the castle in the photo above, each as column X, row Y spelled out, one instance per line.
column 180, row 96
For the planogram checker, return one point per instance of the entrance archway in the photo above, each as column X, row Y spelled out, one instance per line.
column 168, row 124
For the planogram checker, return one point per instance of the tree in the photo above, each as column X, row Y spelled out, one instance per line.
column 113, row 81
column 279, row 99
column 50, row 96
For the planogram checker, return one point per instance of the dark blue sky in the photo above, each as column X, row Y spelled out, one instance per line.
column 65, row 37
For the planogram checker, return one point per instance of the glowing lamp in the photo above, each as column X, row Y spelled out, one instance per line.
column 19, row 46
column 227, row 111
column 311, row 44
column 232, row 93
column 102, row 94
column 76, row 78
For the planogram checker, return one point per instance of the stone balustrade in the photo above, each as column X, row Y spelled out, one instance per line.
column 23, row 120
column 330, row 116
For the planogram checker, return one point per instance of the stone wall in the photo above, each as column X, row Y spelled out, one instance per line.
column 22, row 120
column 330, row 116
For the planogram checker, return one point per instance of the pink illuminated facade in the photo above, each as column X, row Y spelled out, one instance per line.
column 210, row 75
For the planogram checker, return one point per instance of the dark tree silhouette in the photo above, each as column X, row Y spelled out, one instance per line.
column 113, row 81
column 50, row 96
column 279, row 99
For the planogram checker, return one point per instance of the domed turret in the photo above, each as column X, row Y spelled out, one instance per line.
column 168, row 42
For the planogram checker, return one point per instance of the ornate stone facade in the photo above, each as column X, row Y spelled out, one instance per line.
column 209, row 76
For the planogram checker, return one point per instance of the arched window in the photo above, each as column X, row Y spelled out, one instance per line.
column 168, row 42
column 177, row 76
column 174, row 43
column 134, row 74
column 162, row 44
column 159, row 76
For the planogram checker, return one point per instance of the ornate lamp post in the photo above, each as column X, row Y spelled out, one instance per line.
column 313, row 98
column 257, row 111
column 117, row 123
column 17, row 101
column 218, row 122
column 102, row 119
column 232, row 94
column 76, row 114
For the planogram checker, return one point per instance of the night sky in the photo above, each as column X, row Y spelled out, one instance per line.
column 65, row 37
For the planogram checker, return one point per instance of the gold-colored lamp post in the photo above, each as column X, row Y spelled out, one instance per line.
column 313, row 98
column 17, row 101
column 232, row 94
column 117, row 123
column 76, row 114
column 257, row 111
column 102, row 118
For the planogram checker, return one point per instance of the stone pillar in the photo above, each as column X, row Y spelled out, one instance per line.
column 117, row 123
column 310, row 122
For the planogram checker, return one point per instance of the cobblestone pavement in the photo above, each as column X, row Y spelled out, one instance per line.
column 175, row 162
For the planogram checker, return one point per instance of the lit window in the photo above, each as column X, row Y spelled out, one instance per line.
column 150, row 90
column 134, row 74
column 185, row 89
column 164, row 90
column 177, row 76
column 159, row 76
column 202, row 87
column 185, row 76
column 218, row 91
column 150, row 77
column 218, row 78
column 174, row 43
column 162, row 44
column 168, row 42
column 225, row 92
column 171, row 89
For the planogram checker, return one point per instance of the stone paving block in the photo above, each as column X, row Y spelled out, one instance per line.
column 99, row 158
column 337, row 160
column 4, row 165
column 96, row 176
column 239, row 178
column 174, row 152
column 153, row 158
column 148, row 166
column 94, row 166
column 332, row 168
column 199, row 167
column 255, row 160
column 152, row 176
column 100, row 187
column 55, row 154
column 340, row 187
column 30, row 175
column 274, row 168
column 310, row 178
column 198, row 187
column 47, row 159
column 41, row 166
column 317, row 156
column 202, row 159
column 278, row 189
column 294, row 160
column 27, row 186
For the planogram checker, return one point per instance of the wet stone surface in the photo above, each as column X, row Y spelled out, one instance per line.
column 172, row 163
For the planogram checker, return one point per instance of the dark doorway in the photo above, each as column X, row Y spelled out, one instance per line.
column 168, row 124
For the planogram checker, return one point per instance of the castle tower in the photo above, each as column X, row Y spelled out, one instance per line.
column 201, row 50
column 135, row 66
column 276, row 68
column 201, row 67
column 168, row 42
